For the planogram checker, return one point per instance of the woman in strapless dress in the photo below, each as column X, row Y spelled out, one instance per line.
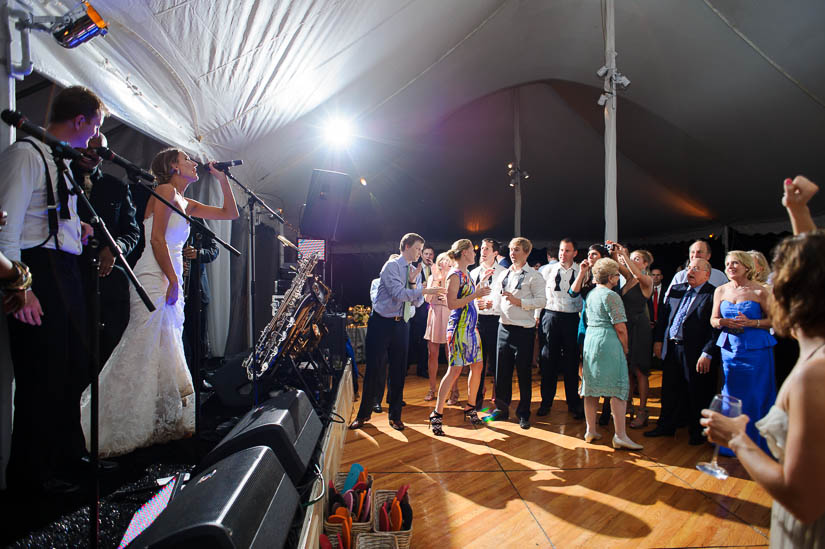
column 740, row 312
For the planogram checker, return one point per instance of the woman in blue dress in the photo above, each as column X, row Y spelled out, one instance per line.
column 740, row 311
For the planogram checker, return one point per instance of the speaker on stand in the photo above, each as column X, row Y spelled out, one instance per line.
column 327, row 196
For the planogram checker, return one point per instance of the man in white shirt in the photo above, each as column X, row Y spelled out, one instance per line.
column 700, row 249
column 517, row 293
column 487, row 315
column 559, row 328
column 49, row 335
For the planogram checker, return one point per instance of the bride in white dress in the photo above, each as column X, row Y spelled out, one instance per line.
column 146, row 393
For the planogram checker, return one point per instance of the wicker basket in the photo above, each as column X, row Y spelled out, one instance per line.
column 357, row 527
column 403, row 537
column 377, row 540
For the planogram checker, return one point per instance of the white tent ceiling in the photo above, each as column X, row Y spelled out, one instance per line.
column 727, row 98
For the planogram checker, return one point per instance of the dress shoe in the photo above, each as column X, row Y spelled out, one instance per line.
column 357, row 423
column 403, row 403
column 377, row 409
column 103, row 465
column 206, row 386
column 697, row 440
column 660, row 431
column 496, row 415
column 590, row 437
column 625, row 443
column 397, row 424
column 524, row 423
column 543, row 411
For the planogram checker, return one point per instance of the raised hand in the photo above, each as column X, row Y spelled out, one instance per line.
column 798, row 192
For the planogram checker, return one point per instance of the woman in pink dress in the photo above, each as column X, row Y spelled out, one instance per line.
column 436, row 333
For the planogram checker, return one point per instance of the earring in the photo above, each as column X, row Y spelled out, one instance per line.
column 175, row 171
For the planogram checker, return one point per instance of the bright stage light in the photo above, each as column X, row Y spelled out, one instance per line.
column 364, row 181
column 338, row 132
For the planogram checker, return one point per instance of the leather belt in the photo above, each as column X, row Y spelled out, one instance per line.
column 677, row 341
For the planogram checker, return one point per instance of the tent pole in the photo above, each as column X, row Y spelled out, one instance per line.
column 7, row 94
column 517, row 150
column 611, row 225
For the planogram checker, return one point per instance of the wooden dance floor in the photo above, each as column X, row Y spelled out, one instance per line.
column 500, row 486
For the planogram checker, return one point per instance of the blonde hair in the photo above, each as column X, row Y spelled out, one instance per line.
column 646, row 256
column 745, row 259
column 603, row 269
column 458, row 248
column 761, row 265
column 522, row 243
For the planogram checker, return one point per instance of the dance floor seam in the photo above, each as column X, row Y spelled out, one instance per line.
column 546, row 487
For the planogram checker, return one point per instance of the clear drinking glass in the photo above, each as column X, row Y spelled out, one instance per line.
column 729, row 406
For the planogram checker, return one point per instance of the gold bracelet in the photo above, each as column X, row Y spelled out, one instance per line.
column 757, row 322
column 23, row 281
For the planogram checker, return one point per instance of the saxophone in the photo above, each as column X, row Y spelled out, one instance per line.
column 270, row 343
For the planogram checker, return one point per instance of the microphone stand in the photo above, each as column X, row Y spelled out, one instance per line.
column 253, row 199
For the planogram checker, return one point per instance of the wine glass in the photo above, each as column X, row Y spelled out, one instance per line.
column 731, row 407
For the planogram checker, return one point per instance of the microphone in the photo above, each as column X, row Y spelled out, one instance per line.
column 60, row 148
column 130, row 168
column 223, row 166
column 286, row 242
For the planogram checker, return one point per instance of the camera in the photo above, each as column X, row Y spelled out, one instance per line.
column 608, row 247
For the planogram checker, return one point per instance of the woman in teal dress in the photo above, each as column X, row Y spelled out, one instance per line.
column 739, row 310
column 463, row 340
column 604, row 366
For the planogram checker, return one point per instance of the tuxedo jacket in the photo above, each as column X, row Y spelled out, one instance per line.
column 207, row 254
column 112, row 200
column 698, row 335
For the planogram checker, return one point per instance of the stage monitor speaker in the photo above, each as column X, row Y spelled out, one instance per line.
column 244, row 500
column 286, row 423
column 327, row 196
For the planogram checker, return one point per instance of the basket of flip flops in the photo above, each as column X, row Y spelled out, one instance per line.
column 348, row 506
column 392, row 513
column 377, row 540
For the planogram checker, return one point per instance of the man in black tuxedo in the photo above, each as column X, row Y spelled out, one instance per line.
column 686, row 342
column 197, row 258
column 655, row 304
column 112, row 200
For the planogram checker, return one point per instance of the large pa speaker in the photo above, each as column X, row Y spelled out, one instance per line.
column 335, row 339
column 244, row 500
column 286, row 423
column 327, row 196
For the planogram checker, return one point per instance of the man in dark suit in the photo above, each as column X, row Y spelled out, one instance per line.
column 655, row 304
column 195, row 258
column 112, row 200
column 686, row 342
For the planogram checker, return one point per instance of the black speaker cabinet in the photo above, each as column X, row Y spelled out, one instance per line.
column 244, row 500
column 286, row 423
column 327, row 196
column 336, row 337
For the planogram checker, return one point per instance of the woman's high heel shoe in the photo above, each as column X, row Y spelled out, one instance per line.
column 640, row 420
column 590, row 437
column 471, row 414
column 430, row 395
column 436, row 424
column 453, row 400
column 627, row 444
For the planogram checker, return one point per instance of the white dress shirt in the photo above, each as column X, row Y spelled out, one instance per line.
column 529, row 288
column 560, row 300
column 477, row 272
column 23, row 196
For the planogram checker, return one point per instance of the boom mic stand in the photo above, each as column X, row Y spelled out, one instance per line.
column 253, row 199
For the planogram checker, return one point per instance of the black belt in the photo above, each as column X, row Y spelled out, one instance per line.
column 393, row 318
column 677, row 341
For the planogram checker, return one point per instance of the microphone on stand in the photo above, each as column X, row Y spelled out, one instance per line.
column 60, row 148
column 223, row 166
column 131, row 168
column 286, row 242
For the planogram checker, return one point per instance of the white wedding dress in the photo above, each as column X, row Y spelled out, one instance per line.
column 146, row 393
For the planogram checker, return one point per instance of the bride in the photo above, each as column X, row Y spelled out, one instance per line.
column 146, row 392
